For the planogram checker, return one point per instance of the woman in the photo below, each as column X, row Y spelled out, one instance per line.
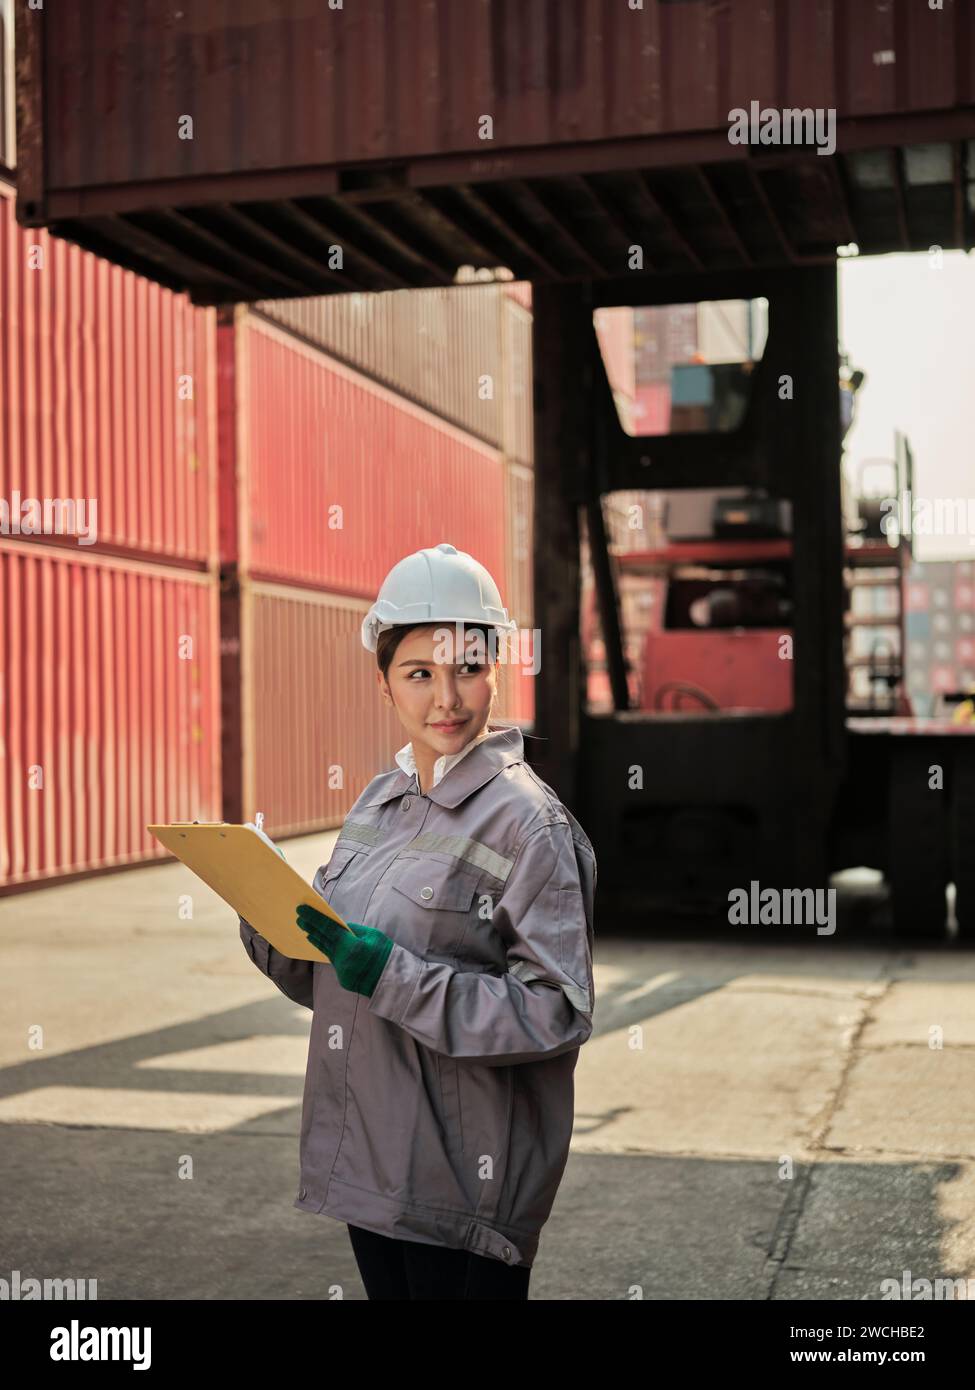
column 438, row 1100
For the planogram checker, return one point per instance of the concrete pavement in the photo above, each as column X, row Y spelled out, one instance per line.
column 758, row 1120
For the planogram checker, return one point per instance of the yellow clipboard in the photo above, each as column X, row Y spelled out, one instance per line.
column 245, row 870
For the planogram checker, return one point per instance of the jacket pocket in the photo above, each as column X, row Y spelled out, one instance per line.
column 342, row 857
column 435, row 900
column 335, row 881
column 484, row 1110
column 453, row 1134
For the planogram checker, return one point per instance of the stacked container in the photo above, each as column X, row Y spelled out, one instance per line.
column 939, row 626
column 223, row 493
column 109, row 697
column 346, row 464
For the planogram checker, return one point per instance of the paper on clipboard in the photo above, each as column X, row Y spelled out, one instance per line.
column 246, row 869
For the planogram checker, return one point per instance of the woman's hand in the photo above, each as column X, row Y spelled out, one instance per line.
column 359, row 955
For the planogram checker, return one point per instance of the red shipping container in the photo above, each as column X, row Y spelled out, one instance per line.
column 343, row 478
column 432, row 346
column 107, row 383
column 109, row 708
column 315, row 728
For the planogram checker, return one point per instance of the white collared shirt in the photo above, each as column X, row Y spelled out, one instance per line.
column 442, row 766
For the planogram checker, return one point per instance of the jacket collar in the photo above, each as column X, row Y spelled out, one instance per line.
column 490, row 755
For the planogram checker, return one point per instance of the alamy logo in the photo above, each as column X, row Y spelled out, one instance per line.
column 910, row 515
column 456, row 644
column 77, row 1343
column 772, row 907
column 923, row 1289
column 16, row 1288
column 791, row 126
column 52, row 516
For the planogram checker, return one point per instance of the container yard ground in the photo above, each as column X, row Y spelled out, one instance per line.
column 162, row 1041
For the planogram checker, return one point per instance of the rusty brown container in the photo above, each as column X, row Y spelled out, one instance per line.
column 235, row 151
column 548, row 78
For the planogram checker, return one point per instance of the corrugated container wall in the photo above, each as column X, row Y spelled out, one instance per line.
column 341, row 477
column 8, row 137
column 316, row 730
column 298, row 86
column 520, row 499
column 518, row 440
column 438, row 347
column 344, row 477
column 107, row 385
column 109, row 708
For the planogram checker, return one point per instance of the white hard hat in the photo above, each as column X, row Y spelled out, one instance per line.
column 442, row 584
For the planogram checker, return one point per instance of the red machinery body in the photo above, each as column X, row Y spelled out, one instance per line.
column 738, row 668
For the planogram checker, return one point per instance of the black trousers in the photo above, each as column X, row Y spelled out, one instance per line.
column 406, row 1269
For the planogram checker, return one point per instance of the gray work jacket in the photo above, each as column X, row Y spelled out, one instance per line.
column 440, row 1109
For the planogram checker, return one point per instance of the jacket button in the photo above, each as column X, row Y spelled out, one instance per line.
column 302, row 1194
column 506, row 1253
column 426, row 892
column 406, row 803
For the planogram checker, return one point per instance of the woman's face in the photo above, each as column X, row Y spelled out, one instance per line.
column 441, row 704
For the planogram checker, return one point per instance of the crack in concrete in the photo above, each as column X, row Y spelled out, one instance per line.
column 795, row 1203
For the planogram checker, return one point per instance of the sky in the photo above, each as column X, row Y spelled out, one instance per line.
column 911, row 327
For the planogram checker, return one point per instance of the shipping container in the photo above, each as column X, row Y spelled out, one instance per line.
column 344, row 478
column 519, row 542
column 106, row 385
column 109, row 708
column 315, row 728
column 231, row 151
column 7, row 88
column 440, row 348
column 517, row 440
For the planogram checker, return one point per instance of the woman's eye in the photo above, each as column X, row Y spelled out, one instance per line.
column 470, row 666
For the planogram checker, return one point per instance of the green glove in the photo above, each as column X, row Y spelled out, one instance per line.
column 359, row 955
